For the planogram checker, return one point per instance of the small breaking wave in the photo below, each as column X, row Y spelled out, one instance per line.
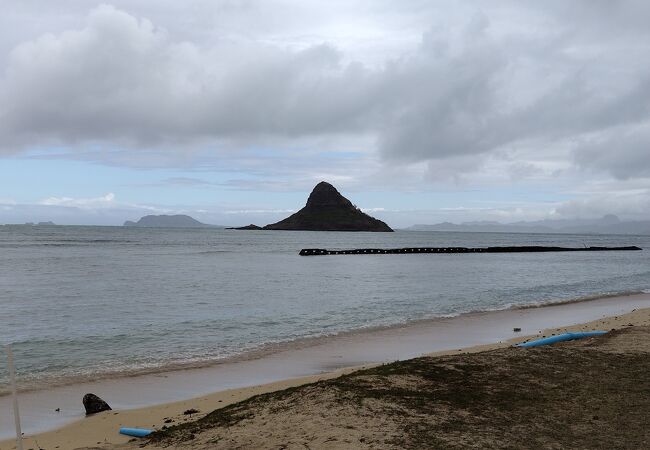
column 580, row 299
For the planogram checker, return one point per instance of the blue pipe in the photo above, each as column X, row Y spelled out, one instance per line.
column 136, row 432
column 560, row 338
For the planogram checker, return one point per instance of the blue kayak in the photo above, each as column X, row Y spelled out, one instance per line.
column 136, row 432
column 560, row 338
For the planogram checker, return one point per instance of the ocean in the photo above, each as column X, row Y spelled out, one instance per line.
column 85, row 303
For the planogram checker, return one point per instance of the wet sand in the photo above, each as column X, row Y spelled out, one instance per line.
column 301, row 364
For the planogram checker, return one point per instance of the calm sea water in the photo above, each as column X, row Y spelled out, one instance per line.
column 84, row 302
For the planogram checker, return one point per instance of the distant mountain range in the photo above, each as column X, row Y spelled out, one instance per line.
column 164, row 221
column 609, row 224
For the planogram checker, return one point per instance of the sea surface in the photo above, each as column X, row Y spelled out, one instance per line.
column 81, row 303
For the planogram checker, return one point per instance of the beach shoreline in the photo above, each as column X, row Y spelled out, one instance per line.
column 287, row 368
column 298, row 343
column 266, row 349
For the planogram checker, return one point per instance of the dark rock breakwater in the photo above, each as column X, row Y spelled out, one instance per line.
column 410, row 250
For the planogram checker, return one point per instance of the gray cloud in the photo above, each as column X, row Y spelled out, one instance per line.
column 122, row 81
column 625, row 152
column 482, row 80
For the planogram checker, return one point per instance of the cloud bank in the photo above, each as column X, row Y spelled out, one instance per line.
column 372, row 93
column 479, row 88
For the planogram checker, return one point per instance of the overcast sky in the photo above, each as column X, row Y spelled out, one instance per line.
column 231, row 111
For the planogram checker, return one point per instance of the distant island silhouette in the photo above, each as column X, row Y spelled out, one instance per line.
column 608, row 224
column 247, row 227
column 165, row 221
column 326, row 210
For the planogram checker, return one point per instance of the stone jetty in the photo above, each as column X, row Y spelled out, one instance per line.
column 411, row 250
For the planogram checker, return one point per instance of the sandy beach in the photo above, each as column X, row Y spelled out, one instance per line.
column 590, row 393
column 101, row 429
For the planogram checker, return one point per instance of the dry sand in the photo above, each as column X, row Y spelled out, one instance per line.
column 100, row 431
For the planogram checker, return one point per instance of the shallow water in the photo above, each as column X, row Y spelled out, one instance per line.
column 54, row 407
column 86, row 302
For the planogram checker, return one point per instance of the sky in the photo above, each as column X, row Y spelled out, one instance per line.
column 232, row 111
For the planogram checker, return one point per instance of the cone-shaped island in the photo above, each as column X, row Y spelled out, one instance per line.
column 328, row 210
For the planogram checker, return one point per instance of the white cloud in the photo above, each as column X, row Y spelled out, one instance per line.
column 630, row 205
column 105, row 201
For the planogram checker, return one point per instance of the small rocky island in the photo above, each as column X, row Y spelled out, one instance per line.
column 327, row 210
column 165, row 221
column 246, row 227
